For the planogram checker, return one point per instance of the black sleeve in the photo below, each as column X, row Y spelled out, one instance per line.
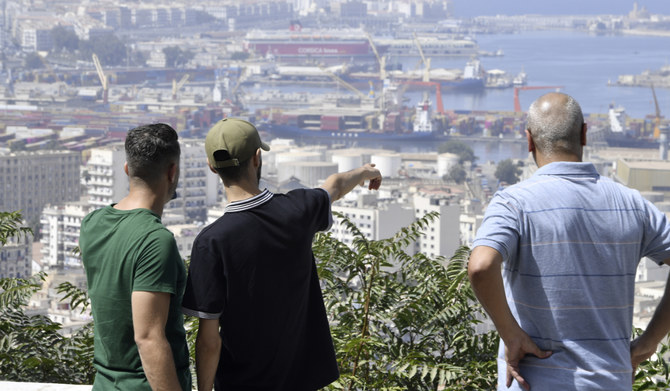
column 206, row 285
column 317, row 205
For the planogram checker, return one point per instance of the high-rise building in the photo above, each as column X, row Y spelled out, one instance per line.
column 198, row 186
column 30, row 180
column 105, row 178
column 60, row 226
column 442, row 236
column 16, row 257
column 375, row 221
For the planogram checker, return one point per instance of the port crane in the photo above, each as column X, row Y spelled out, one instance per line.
column 177, row 85
column 343, row 83
column 380, row 60
column 426, row 61
column 517, row 105
column 103, row 78
column 657, row 119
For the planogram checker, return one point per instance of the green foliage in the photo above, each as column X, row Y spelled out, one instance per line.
column 402, row 321
column 653, row 374
column 508, row 171
column 457, row 174
column 175, row 57
column 460, row 148
column 64, row 39
column 31, row 346
column 109, row 49
column 33, row 61
column 10, row 226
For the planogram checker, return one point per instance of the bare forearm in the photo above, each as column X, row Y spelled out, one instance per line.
column 486, row 280
column 207, row 353
column 342, row 183
column 659, row 325
column 158, row 364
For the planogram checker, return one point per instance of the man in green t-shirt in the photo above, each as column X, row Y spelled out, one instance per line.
column 135, row 274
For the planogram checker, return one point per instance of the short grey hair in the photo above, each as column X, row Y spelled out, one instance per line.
column 555, row 121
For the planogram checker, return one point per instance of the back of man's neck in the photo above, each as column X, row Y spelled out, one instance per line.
column 239, row 192
column 542, row 160
column 141, row 199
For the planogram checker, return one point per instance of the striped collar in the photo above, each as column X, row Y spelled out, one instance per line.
column 249, row 203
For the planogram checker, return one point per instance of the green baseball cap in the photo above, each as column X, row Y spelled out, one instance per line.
column 231, row 142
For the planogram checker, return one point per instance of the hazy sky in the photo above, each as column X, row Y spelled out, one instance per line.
column 468, row 8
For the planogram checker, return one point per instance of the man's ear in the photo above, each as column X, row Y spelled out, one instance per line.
column 125, row 168
column 257, row 158
column 584, row 128
column 172, row 172
column 211, row 168
column 531, row 143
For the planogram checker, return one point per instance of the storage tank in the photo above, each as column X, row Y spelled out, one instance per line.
column 444, row 163
column 270, row 157
column 297, row 156
column 388, row 164
column 347, row 161
column 309, row 173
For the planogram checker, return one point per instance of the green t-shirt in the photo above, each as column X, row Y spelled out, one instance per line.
column 125, row 251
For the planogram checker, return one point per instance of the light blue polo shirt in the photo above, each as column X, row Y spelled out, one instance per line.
column 571, row 241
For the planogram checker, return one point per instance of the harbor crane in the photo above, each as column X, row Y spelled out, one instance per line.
column 657, row 119
column 517, row 105
column 381, row 61
column 177, row 85
column 103, row 78
column 426, row 61
column 343, row 83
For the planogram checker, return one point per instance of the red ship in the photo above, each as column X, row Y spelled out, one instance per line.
column 310, row 43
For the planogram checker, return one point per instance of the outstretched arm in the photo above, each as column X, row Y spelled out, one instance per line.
column 484, row 270
column 645, row 345
column 337, row 185
column 150, row 312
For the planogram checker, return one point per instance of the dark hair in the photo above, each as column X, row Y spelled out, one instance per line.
column 233, row 173
column 150, row 149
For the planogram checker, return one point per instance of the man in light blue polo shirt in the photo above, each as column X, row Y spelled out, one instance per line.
column 568, row 242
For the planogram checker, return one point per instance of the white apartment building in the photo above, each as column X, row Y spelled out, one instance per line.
column 35, row 34
column 60, row 226
column 376, row 222
column 106, row 180
column 442, row 236
column 30, row 180
column 198, row 187
column 16, row 257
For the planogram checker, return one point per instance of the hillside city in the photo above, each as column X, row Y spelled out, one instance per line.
column 76, row 76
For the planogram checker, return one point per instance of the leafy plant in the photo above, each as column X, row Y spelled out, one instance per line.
column 399, row 320
column 31, row 346
column 10, row 226
column 653, row 374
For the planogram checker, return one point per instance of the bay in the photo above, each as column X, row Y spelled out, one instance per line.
column 582, row 63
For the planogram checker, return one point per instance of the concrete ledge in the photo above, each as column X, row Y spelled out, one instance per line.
column 20, row 386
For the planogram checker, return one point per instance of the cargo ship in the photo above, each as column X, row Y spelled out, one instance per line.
column 618, row 135
column 355, row 123
column 432, row 47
